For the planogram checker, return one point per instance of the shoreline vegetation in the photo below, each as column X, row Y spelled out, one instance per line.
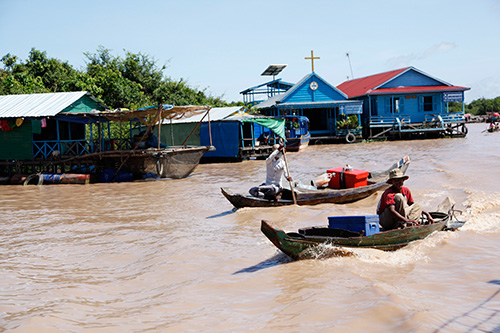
column 134, row 81
column 131, row 82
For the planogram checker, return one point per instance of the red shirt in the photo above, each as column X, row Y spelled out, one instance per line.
column 388, row 198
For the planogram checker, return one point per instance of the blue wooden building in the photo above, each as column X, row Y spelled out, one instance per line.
column 327, row 108
column 235, row 132
column 407, row 102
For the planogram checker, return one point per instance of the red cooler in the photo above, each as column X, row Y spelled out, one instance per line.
column 335, row 180
column 356, row 178
column 353, row 178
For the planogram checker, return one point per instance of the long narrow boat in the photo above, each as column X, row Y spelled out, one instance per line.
column 170, row 162
column 377, row 182
column 297, row 245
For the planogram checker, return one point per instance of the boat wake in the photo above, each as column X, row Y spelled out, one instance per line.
column 482, row 212
column 326, row 251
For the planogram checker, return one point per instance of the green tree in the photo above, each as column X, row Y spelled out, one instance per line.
column 131, row 82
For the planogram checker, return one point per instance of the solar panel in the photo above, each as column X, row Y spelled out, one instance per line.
column 273, row 70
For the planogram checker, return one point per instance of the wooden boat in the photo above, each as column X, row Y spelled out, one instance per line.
column 298, row 143
column 304, row 196
column 145, row 156
column 298, row 245
column 170, row 162
column 493, row 129
column 297, row 133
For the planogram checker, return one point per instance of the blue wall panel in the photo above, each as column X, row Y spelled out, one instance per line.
column 410, row 105
column 412, row 79
column 324, row 93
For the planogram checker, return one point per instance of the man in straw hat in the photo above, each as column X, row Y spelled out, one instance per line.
column 396, row 207
column 275, row 167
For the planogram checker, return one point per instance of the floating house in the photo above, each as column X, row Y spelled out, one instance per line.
column 33, row 125
column 236, row 133
column 58, row 137
column 407, row 103
column 326, row 107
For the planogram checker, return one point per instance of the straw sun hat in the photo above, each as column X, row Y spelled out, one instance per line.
column 397, row 174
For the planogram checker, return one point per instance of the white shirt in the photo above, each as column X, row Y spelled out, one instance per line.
column 274, row 169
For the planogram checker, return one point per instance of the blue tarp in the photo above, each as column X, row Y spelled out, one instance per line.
column 225, row 138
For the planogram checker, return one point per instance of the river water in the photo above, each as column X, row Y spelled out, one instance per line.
column 172, row 255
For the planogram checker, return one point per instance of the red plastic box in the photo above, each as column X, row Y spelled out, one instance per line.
column 335, row 179
column 353, row 178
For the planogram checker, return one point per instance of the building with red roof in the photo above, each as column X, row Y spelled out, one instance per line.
column 396, row 103
column 406, row 100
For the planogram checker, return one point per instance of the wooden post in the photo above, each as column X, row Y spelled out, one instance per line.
column 289, row 181
column 172, row 132
column 206, row 114
column 159, row 125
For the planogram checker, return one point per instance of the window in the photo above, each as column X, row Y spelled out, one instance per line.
column 428, row 104
column 393, row 105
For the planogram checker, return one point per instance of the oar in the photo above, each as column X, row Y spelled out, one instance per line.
column 289, row 181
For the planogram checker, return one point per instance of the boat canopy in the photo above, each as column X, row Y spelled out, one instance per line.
column 274, row 124
column 162, row 112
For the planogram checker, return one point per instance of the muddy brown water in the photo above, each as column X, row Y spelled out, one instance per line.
column 172, row 255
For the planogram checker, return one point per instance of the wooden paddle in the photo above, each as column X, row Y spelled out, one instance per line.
column 289, row 181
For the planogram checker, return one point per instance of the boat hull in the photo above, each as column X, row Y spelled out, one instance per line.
column 298, row 144
column 171, row 162
column 297, row 246
column 306, row 197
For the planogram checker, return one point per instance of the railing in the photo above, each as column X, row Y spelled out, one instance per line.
column 69, row 148
column 446, row 117
column 387, row 121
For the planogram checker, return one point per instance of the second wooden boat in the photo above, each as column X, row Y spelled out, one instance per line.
column 304, row 196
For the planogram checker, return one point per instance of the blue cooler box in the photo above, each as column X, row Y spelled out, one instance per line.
column 366, row 223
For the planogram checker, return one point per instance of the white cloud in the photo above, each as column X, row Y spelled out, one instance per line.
column 409, row 59
column 439, row 48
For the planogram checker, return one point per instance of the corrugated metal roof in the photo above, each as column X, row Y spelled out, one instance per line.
column 361, row 86
column 270, row 102
column 370, row 85
column 37, row 105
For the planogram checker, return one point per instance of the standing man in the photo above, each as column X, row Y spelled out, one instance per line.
column 397, row 207
column 275, row 167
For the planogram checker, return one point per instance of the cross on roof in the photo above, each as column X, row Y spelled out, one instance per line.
column 312, row 57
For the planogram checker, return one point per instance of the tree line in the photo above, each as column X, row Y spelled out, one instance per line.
column 130, row 82
column 133, row 81
column 483, row 105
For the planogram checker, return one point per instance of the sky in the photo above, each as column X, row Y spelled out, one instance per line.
column 223, row 46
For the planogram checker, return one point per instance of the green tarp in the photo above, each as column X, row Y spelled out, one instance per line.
column 274, row 124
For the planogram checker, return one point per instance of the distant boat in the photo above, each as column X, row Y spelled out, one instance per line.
column 296, row 132
column 494, row 128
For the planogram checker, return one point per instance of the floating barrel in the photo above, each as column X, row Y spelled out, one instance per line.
column 56, row 178
column 64, row 178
